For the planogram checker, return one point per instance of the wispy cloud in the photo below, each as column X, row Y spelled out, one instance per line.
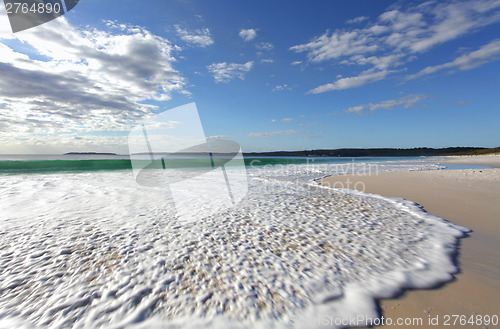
column 274, row 133
column 284, row 120
column 397, row 36
column 281, row 87
column 225, row 72
column 337, row 44
column 405, row 102
column 199, row 37
column 88, row 79
column 357, row 20
column 46, row 144
column 356, row 109
column 265, row 46
column 483, row 55
column 248, row 34
column 461, row 102
column 351, row 82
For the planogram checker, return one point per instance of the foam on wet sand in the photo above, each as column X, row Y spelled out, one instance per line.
column 465, row 197
column 97, row 250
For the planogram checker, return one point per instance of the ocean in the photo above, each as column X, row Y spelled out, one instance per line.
column 75, row 163
column 83, row 245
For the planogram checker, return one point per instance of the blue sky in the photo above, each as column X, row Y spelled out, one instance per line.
column 271, row 75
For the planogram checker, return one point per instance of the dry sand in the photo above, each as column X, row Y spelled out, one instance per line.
column 469, row 198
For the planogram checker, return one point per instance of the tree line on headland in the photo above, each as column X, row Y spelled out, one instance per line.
column 383, row 152
column 358, row 152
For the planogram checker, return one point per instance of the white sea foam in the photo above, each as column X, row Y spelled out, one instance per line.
column 97, row 250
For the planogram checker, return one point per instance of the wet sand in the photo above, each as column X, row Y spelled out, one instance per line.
column 469, row 198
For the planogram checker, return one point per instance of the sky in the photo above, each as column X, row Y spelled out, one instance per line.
column 270, row 75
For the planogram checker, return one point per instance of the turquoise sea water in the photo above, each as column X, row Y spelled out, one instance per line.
column 33, row 164
column 76, row 163
column 453, row 166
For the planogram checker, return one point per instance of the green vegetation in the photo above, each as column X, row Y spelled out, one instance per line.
column 375, row 152
column 493, row 150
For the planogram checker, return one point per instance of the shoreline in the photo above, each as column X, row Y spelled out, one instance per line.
column 468, row 198
column 487, row 160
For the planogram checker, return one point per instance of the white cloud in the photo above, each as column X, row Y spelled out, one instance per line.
column 296, row 63
column 356, row 109
column 377, row 29
column 398, row 36
column 274, row 133
column 281, row 88
column 5, row 28
column 337, row 44
column 87, row 79
column 267, row 60
column 461, row 102
column 33, row 144
column 351, row 82
column 248, row 34
column 224, row 72
column 452, row 20
column 285, row 120
column 357, row 20
column 265, row 46
column 199, row 37
column 405, row 102
column 379, row 62
column 483, row 55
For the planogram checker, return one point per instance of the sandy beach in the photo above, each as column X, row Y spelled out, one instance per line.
column 467, row 198
column 115, row 254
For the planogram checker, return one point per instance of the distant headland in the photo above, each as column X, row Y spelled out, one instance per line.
column 381, row 152
column 88, row 153
column 344, row 152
